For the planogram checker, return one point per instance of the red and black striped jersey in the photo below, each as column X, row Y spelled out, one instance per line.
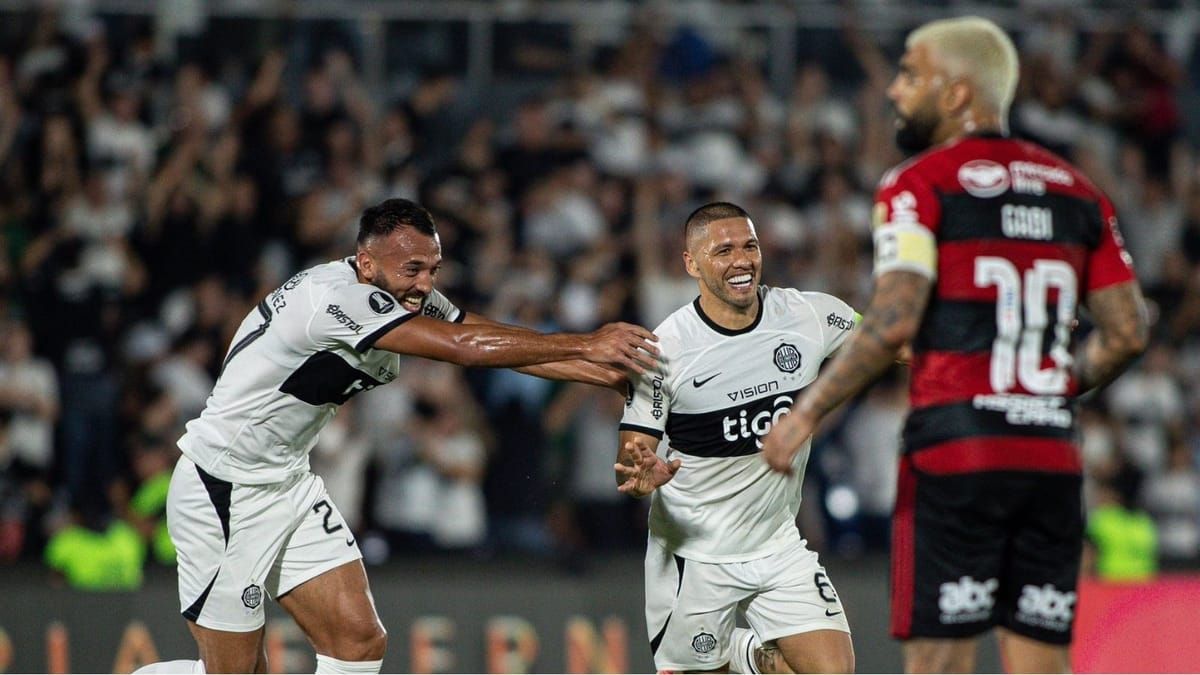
column 1019, row 238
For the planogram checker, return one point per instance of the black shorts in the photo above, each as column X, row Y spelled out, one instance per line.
column 976, row 550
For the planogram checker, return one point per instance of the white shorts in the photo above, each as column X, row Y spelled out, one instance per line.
column 237, row 544
column 691, row 605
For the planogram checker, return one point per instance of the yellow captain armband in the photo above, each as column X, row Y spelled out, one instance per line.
column 908, row 247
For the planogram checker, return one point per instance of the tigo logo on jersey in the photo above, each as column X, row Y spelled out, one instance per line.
column 983, row 178
column 1046, row 607
column 704, row 643
column 381, row 302
column 967, row 600
column 787, row 358
column 743, row 426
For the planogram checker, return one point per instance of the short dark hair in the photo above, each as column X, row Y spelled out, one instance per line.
column 706, row 214
column 383, row 219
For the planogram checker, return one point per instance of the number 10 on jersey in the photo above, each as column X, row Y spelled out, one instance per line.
column 1021, row 320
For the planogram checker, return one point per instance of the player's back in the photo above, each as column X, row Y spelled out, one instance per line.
column 1021, row 238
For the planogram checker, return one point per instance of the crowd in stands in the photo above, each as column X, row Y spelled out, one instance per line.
column 153, row 191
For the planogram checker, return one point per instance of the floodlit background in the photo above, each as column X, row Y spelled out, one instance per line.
column 165, row 164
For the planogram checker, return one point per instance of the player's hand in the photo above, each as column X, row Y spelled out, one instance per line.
column 646, row 472
column 784, row 440
column 623, row 345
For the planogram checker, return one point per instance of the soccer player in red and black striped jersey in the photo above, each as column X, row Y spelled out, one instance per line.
column 985, row 248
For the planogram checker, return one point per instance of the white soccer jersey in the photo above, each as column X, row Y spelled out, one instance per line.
column 304, row 351
column 717, row 394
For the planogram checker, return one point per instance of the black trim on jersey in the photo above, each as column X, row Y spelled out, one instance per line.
column 265, row 310
column 965, row 217
column 370, row 340
column 462, row 317
column 703, row 434
column 656, row 641
column 731, row 331
column 219, row 493
column 192, row 613
column 968, row 326
column 640, row 429
column 326, row 378
column 943, row 423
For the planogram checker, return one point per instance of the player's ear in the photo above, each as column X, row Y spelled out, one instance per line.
column 689, row 264
column 958, row 96
column 366, row 266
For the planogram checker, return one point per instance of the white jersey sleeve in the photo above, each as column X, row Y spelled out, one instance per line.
column 834, row 317
column 438, row 306
column 647, row 404
column 355, row 315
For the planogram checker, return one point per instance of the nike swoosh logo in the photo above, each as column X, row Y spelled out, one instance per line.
column 697, row 382
column 350, row 542
column 829, row 613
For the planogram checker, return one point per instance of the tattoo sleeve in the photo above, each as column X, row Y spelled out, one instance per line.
column 889, row 323
column 1122, row 331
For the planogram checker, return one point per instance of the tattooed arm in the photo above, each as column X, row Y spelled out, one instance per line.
column 890, row 322
column 1121, row 334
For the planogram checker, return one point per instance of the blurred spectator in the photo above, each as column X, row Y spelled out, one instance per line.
column 340, row 458
column 1173, row 498
column 1122, row 543
column 14, row 509
column 450, row 444
column 153, row 459
column 29, row 393
column 92, row 551
column 583, row 419
column 1149, row 402
column 871, row 437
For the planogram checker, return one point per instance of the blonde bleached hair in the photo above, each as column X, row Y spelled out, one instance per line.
column 977, row 49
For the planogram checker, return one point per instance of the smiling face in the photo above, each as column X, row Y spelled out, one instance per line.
column 404, row 263
column 725, row 257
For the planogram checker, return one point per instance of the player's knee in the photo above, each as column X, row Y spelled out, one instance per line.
column 366, row 644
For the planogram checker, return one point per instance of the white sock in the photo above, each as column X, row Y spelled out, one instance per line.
column 328, row 664
column 184, row 666
column 745, row 644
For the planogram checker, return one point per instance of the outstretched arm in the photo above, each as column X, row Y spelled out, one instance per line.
column 640, row 470
column 616, row 344
column 574, row 370
column 1122, row 331
column 890, row 322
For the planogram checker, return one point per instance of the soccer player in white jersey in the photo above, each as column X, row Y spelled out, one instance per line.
column 248, row 518
column 723, row 535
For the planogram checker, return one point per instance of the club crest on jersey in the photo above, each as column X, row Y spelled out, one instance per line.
column 983, row 178
column 704, row 643
column 252, row 596
column 787, row 358
column 381, row 302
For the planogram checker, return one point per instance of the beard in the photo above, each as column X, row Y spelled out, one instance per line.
column 914, row 134
column 719, row 289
